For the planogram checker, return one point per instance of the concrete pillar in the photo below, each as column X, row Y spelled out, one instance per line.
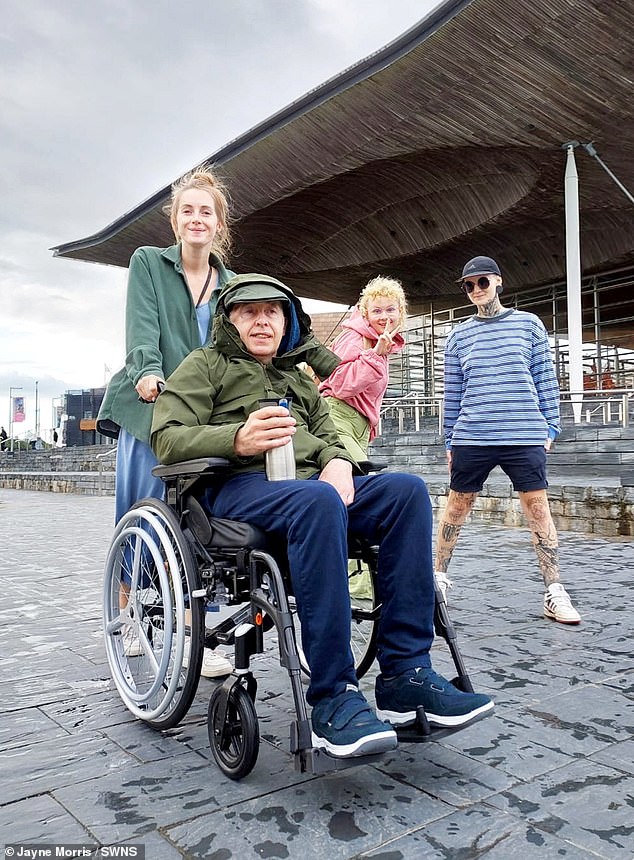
column 573, row 279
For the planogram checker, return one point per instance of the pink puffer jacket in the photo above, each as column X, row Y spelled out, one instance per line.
column 361, row 378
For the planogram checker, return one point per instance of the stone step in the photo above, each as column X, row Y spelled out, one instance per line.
column 85, row 483
column 591, row 485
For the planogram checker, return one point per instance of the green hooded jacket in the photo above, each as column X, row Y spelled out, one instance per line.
column 215, row 389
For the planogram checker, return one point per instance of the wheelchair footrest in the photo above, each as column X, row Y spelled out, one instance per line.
column 421, row 731
column 309, row 759
column 316, row 761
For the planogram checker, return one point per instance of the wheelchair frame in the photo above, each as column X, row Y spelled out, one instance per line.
column 167, row 562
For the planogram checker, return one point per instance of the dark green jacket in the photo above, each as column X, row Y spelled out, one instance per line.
column 216, row 388
column 161, row 329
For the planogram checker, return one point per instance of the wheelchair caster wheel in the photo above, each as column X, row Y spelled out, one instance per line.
column 234, row 742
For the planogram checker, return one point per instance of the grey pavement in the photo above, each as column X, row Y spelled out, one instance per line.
column 550, row 774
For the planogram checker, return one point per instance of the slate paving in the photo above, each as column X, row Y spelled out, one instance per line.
column 549, row 775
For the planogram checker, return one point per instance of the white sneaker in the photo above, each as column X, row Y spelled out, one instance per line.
column 131, row 643
column 443, row 582
column 215, row 664
column 557, row 605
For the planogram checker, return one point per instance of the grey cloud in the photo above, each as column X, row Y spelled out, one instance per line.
column 102, row 103
column 48, row 386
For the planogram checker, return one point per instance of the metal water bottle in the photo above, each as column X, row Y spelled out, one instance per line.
column 280, row 462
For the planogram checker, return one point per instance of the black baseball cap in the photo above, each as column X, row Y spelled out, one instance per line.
column 480, row 266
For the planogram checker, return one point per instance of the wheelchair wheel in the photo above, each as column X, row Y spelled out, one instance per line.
column 235, row 743
column 153, row 627
column 366, row 610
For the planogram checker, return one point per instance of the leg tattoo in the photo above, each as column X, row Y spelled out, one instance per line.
column 544, row 535
column 458, row 508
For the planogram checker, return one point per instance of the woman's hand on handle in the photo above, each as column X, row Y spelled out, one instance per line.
column 149, row 387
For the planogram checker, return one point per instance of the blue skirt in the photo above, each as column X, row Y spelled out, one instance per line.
column 134, row 478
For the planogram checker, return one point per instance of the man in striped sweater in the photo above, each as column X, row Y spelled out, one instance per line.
column 501, row 409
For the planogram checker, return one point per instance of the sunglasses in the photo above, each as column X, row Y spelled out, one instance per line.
column 469, row 286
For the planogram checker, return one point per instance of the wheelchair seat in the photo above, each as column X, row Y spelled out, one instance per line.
column 220, row 533
column 230, row 534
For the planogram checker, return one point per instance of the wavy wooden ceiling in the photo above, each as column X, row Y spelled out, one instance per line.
column 446, row 144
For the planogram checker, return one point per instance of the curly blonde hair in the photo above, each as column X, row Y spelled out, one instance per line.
column 205, row 179
column 388, row 288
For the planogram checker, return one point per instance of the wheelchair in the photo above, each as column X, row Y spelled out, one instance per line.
column 171, row 566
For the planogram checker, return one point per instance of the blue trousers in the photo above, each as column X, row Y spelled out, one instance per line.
column 391, row 510
column 133, row 477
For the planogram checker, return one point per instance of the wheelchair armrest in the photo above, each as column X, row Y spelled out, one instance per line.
column 368, row 466
column 200, row 466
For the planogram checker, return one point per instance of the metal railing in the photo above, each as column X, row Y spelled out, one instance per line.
column 112, row 449
column 607, row 407
column 413, row 405
column 604, row 407
column 101, row 457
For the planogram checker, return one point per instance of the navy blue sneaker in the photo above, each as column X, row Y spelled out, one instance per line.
column 347, row 726
column 445, row 705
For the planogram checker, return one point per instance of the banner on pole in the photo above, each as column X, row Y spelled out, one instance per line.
column 18, row 409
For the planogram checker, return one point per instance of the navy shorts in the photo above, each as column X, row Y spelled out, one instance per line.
column 524, row 464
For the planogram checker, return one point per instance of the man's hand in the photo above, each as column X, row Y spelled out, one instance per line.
column 338, row 473
column 148, row 387
column 449, row 460
column 547, row 444
column 266, row 428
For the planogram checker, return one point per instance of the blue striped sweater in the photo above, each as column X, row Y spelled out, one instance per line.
column 500, row 383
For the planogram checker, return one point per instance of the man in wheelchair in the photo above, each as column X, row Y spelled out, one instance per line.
column 211, row 408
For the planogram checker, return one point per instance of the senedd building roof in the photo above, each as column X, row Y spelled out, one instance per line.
column 445, row 144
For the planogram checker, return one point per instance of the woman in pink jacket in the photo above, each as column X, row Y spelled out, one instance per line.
column 355, row 389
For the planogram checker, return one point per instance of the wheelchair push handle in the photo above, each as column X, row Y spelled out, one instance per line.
column 160, row 385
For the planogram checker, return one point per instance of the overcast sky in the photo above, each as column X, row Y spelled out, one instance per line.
column 104, row 102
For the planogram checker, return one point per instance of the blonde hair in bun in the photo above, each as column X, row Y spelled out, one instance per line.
column 205, row 179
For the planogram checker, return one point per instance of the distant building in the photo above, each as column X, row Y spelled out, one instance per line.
column 327, row 326
column 80, row 422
